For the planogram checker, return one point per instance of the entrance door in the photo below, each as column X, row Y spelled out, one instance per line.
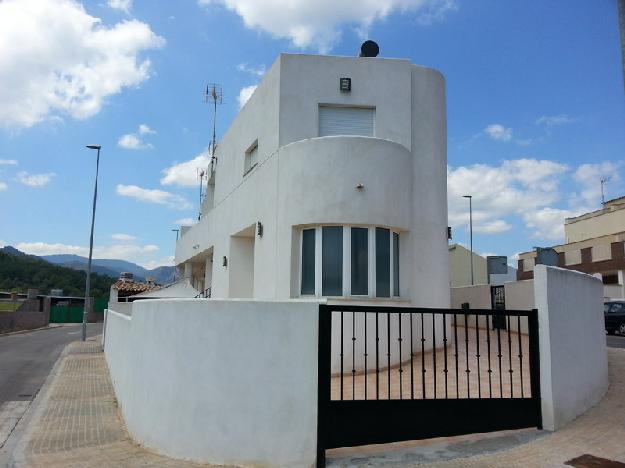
column 241, row 264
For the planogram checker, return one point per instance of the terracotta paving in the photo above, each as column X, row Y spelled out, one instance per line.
column 490, row 375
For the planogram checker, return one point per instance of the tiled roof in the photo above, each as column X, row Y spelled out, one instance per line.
column 128, row 288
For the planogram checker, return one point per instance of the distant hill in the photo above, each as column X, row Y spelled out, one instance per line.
column 19, row 271
column 113, row 268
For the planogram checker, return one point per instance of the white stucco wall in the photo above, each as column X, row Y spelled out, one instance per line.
column 573, row 353
column 224, row 382
column 302, row 180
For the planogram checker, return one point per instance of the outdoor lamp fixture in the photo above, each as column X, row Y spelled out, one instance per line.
column 225, row 261
column 88, row 283
column 259, row 229
column 470, row 197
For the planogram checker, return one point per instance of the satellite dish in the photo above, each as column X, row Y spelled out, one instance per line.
column 369, row 49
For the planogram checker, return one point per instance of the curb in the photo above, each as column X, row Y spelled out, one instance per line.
column 18, row 332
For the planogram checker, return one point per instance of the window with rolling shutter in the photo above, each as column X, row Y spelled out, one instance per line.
column 335, row 120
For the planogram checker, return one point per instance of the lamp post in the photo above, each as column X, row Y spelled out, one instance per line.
column 88, row 284
column 470, row 197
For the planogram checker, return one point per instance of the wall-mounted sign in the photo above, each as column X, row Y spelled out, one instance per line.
column 345, row 85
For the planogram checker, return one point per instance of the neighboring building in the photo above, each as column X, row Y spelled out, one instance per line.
column 594, row 244
column 330, row 182
column 460, row 269
column 126, row 286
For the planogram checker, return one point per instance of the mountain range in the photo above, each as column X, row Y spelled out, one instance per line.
column 104, row 266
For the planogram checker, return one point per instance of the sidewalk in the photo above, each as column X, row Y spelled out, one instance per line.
column 77, row 424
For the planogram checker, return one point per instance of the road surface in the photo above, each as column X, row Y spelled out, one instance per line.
column 27, row 358
column 615, row 341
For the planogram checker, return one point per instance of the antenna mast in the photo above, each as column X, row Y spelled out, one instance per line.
column 214, row 93
column 603, row 181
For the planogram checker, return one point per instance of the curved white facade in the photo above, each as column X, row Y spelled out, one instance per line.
column 274, row 168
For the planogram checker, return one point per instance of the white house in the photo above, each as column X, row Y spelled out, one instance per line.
column 330, row 182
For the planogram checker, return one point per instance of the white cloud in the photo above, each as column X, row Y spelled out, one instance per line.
column 3, row 186
column 498, row 132
column 186, row 173
column 554, row 120
column 35, row 180
column 145, row 130
column 252, row 70
column 123, row 5
column 185, row 222
column 123, row 237
column 318, row 23
column 8, row 162
column 67, row 61
column 154, row 196
column 245, row 94
column 493, row 227
column 539, row 193
column 132, row 252
column 133, row 141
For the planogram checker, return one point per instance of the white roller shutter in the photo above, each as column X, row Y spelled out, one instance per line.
column 346, row 121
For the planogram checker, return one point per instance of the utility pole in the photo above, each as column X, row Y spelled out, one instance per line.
column 88, row 284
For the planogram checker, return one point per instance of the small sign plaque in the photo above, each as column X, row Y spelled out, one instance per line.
column 345, row 85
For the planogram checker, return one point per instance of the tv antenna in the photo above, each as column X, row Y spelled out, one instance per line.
column 201, row 173
column 603, row 181
column 215, row 95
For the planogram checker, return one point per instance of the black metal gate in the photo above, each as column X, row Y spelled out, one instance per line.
column 389, row 374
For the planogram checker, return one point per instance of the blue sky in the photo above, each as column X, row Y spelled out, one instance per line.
column 535, row 95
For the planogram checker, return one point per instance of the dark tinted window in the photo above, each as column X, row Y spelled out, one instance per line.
column 360, row 261
column 332, row 261
column 395, row 264
column 382, row 262
column 308, row 261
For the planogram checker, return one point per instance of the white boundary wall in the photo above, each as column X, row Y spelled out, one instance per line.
column 221, row 381
column 573, row 352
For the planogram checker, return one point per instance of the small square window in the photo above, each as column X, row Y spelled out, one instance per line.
column 251, row 158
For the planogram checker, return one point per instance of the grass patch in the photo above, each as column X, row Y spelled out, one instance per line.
column 9, row 306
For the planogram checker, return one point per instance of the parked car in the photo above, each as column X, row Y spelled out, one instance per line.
column 614, row 313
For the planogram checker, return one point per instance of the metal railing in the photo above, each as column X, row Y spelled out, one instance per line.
column 204, row 294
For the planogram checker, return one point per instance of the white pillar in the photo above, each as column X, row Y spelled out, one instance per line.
column 208, row 272
column 621, row 282
column 188, row 271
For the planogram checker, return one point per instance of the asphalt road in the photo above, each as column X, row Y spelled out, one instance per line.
column 615, row 341
column 27, row 358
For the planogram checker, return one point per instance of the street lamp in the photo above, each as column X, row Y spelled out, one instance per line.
column 470, row 197
column 88, row 285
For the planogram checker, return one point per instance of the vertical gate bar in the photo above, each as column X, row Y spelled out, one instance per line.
column 341, row 355
column 400, row 366
column 324, row 392
column 477, row 338
column 534, row 361
column 499, row 355
column 377, row 358
column 365, row 355
column 510, row 358
column 466, row 345
column 490, row 370
column 518, row 332
column 434, row 350
column 353, row 355
column 456, row 353
column 388, row 354
column 445, row 351
column 411, row 361
column 422, row 359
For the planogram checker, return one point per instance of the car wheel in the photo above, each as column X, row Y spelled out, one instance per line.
column 621, row 328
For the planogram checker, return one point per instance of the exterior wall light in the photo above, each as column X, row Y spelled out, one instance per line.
column 225, row 261
column 345, row 85
column 259, row 229
column 360, row 186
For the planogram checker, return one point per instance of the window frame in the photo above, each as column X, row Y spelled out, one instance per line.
column 346, row 280
column 247, row 162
